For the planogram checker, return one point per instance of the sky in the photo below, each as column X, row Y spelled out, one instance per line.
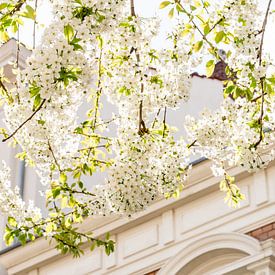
column 144, row 8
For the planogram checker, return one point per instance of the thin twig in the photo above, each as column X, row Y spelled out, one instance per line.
column 27, row 120
column 164, row 122
column 16, row 8
column 93, row 147
column 141, row 124
column 204, row 37
column 155, row 120
column 99, row 89
column 4, row 88
column 191, row 144
column 262, row 78
column 34, row 26
column 53, row 155
column 87, row 193
column 204, row 6
column 216, row 24
column 257, row 98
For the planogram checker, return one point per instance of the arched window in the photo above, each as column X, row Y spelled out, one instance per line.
column 230, row 253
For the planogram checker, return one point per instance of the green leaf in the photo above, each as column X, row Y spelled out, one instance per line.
column 41, row 122
column 197, row 47
column 8, row 237
column 49, row 228
column 164, row 4
column 3, row 6
column 80, row 184
column 179, row 8
column 238, row 92
column 100, row 41
column 63, row 178
column 171, row 13
column 107, row 236
column 37, row 102
column 210, row 67
column 200, row 18
column 29, row 13
column 21, row 156
column 64, row 202
column 23, row 239
column 271, row 79
column 34, row 91
column 206, row 29
column 69, row 32
column 12, row 222
column 229, row 90
column 219, row 36
column 4, row 37
column 56, row 192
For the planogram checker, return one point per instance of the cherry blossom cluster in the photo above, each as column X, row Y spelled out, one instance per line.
column 57, row 76
column 244, row 21
column 145, row 169
column 11, row 202
column 230, row 139
column 136, row 72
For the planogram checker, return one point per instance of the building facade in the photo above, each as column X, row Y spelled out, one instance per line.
column 195, row 234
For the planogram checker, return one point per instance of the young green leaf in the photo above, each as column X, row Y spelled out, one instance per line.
column 29, row 12
column 164, row 4
column 219, row 36
column 171, row 13
column 210, row 67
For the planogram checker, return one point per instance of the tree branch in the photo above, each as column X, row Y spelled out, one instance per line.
column 4, row 88
column 16, row 8
column 164, row 122
column 34, row 26
column 133, row 12
column 262, row 78
column 99, row 89
column 27, row 120
column 141, row 124
column 53, row 155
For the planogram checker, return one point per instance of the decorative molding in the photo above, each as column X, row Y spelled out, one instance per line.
column 167, row 231
column 235, row 241
column 260, row 184
column 205, row 210
column 143, row 238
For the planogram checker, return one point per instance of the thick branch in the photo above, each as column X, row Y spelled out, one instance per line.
column 133, row 12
